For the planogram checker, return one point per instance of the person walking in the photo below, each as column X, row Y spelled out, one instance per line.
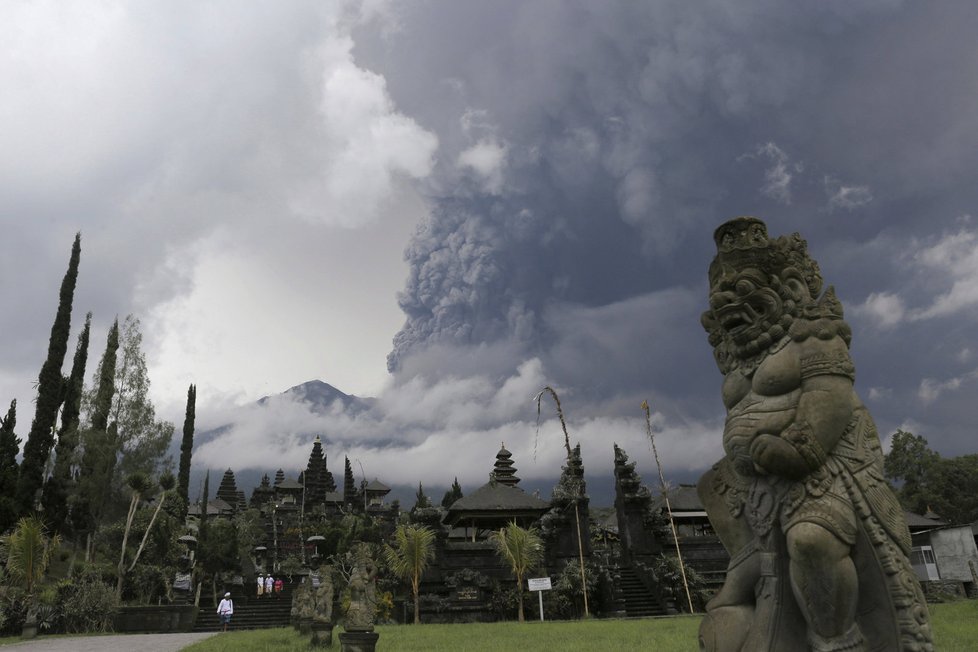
column 279, row 585
column 225, row 609
column 269, row 584
column 261, row 584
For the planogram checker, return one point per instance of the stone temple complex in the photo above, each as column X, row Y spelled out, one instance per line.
column 303, row 517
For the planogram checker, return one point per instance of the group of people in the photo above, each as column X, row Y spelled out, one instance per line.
column 269, row 586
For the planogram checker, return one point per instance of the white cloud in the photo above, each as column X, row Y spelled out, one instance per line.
column 487, row 159
column 777, row 177
column 419, row 424
column 885, row 309
column 951, row 261
column 955, row 256
column 846, row 197
column 931, row 389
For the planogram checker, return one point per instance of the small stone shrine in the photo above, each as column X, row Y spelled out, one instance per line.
column 818, row 542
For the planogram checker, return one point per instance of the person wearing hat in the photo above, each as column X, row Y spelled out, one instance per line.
column 225, row 609
column 261, row 583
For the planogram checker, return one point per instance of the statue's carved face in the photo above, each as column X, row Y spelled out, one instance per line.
column 745, row 305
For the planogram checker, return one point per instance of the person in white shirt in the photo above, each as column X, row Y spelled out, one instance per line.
column 269, row 584
column 225, row 609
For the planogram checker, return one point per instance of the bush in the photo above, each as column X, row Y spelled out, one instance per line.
column 86, row 604
column 13, row 610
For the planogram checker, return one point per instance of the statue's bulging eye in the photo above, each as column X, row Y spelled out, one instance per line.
column 744, row 287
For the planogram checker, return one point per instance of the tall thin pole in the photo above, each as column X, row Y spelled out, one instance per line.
column 577, row 515
column 665, row 495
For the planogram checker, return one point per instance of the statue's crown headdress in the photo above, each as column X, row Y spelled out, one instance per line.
column 744, row 242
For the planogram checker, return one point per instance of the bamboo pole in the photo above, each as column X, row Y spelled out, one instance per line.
column 665, row 495
column 577, row 515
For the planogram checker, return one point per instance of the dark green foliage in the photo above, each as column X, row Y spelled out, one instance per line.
column 54, row 497
column 452, row 494
column 186, row 448
column 85, row 604
column 13, row 610
column 98, row 457
column 421, row 501
column 910, row 464
column 9, row 447
column 952, row 489
column 50, row 392
column 349, row 486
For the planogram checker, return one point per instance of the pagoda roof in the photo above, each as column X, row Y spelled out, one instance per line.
column 683, row 498
column 378, row 486
column 334, row 497
column 498, row 497
column 289, row 483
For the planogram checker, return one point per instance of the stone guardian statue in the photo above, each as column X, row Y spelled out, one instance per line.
column 818, row 543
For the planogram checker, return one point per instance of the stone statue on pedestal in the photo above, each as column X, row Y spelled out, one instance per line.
column 363, row 593
column 324, row 596
column 818, row 543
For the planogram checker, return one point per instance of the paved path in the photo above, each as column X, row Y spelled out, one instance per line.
column 119, row 643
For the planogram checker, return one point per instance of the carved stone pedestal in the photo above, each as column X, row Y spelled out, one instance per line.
column 305, row 626
column 322, row 634
column 358, row 641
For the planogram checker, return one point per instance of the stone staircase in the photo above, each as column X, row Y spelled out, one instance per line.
column 639, row 601
column 256, row 613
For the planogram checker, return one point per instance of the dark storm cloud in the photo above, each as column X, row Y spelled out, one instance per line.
column 621, row 134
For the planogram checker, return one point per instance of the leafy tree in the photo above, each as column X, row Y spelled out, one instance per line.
column 9, row 447
column 952, row 488
column 452, row 494
column 28, row 556
column 187, row 447
column 910, row 464
column 50, row 392
column 142, row 440
column 413, row 550
column 522, row 549
column 54, row 497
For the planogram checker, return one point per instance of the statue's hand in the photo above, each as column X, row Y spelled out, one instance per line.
column 775, row 456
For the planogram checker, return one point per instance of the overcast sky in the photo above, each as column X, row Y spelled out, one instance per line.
column 449, row 204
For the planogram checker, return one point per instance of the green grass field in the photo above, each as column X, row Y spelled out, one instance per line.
column 955, row 630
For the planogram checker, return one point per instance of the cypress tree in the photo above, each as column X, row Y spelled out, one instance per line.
column 203, row 545
column 452, row 494
column 54, row 497
column 349, row 486
column 186, row 448
column 98, row 457
column 9, row 447
column 50, row 392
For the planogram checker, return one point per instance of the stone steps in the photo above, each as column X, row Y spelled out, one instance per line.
column 256, row 613
column 639, row 601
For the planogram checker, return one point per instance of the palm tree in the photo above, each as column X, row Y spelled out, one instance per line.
column 167, row 483
column 28, row 555
column 522, row 549
column 414, row 548
column 140, row 485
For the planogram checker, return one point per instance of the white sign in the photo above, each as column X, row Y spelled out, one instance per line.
column 539, row 583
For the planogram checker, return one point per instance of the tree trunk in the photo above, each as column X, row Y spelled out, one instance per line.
column 519, row 597
column 417, row 605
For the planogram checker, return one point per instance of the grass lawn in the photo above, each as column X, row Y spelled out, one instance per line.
column 955, row 630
